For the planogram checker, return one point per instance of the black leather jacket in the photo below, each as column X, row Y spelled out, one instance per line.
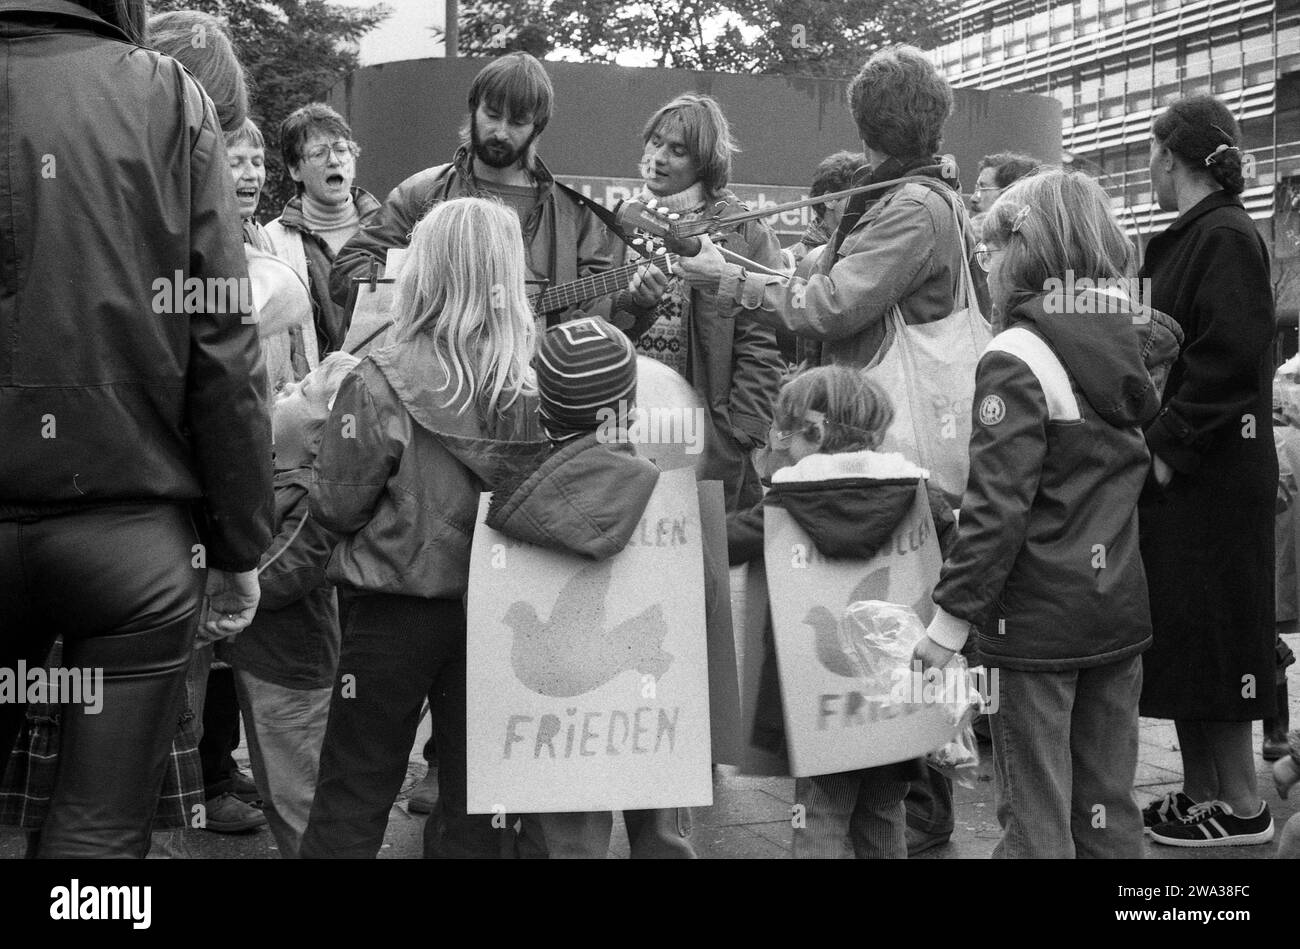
column 115, row 184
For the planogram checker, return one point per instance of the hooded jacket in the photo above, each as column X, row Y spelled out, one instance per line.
column 587, row 498
column 115, row 192
column 399, row 473
column 1046, row 560
column 293, row 640
column 849, row 504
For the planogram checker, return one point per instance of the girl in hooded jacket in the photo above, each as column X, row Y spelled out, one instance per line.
column 417, row 431
column 849, row 498
column 1046, row 561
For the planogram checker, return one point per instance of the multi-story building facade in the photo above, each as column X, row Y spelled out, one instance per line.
column 1115, row 64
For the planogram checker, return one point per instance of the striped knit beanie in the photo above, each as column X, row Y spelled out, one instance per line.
column 583, row 366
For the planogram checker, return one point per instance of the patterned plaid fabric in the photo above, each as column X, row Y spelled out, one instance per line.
column 666, row 340
column 28, row 781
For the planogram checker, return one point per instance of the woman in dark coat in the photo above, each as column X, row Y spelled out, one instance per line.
column 1207, row 512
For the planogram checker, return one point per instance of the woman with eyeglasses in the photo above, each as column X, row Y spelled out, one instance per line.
column 317, row 147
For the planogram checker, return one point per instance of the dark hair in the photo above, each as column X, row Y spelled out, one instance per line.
column 202, row 45
column 127, row 15
column 706, row 133
column 900, row 103
column 300, row 123
column 518, row 85
column 1193, row 129
column 1009, row 167
column 835, row 173
column 857, row 409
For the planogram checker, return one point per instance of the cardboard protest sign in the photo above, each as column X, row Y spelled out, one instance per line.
column 373, row 317
column 834, row 721
column 749, row 619
column 724, row 685
column 588, row 680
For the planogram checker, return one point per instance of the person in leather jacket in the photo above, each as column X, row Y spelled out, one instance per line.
column 130, row 422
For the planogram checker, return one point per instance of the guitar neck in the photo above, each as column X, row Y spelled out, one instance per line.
column 597, row 285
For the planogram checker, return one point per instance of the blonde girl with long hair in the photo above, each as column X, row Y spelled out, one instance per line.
column 418, row 430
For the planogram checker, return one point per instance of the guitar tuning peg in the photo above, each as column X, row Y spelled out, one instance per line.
column 674, row 216
column 638, row 241
column 662, row 211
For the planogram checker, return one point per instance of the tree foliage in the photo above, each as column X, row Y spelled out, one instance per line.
column 293, row 51
column 828, row 38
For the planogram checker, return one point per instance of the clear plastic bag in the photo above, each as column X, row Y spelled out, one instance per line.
column 959, row 760
column 880, row 639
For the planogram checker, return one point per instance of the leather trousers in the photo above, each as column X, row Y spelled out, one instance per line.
column 118, row 582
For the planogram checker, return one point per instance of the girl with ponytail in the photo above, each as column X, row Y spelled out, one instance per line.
column 1207, row 510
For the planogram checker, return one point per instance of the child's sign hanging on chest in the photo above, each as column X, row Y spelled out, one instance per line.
column 588, row 680
column 836, row 684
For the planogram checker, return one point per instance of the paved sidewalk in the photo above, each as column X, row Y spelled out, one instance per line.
column 750, row 817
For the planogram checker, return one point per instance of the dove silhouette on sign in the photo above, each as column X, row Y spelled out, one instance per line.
column 838, row 650
column 574, row 651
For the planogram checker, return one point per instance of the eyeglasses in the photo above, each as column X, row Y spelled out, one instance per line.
column 984, row 256
column 987, row 188
column 782, row 436
column 345, row 150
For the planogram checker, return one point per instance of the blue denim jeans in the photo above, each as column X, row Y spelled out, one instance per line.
column 285, row 729
column 1065, row 756
column 862, row 809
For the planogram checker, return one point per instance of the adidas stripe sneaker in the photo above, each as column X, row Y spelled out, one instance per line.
column 1172, row 806
column 1213, row 824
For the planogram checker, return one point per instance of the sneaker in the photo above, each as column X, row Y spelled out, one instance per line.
column 1213, row 824
column 227, row 814
column 425, row 794
column 1173, row 806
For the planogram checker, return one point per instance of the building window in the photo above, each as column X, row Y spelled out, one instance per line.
column 1257, row 73
column 1139, row 9
column 1112, row 16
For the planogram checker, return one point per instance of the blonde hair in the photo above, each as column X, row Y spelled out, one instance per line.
column 857, row 409
column 331, row 371
column 462, row 284
column 1054, row 221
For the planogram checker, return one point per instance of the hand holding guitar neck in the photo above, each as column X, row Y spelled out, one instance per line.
column 664, row 227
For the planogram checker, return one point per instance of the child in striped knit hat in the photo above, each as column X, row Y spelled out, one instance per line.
column 586, row 379
column 586, row 498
